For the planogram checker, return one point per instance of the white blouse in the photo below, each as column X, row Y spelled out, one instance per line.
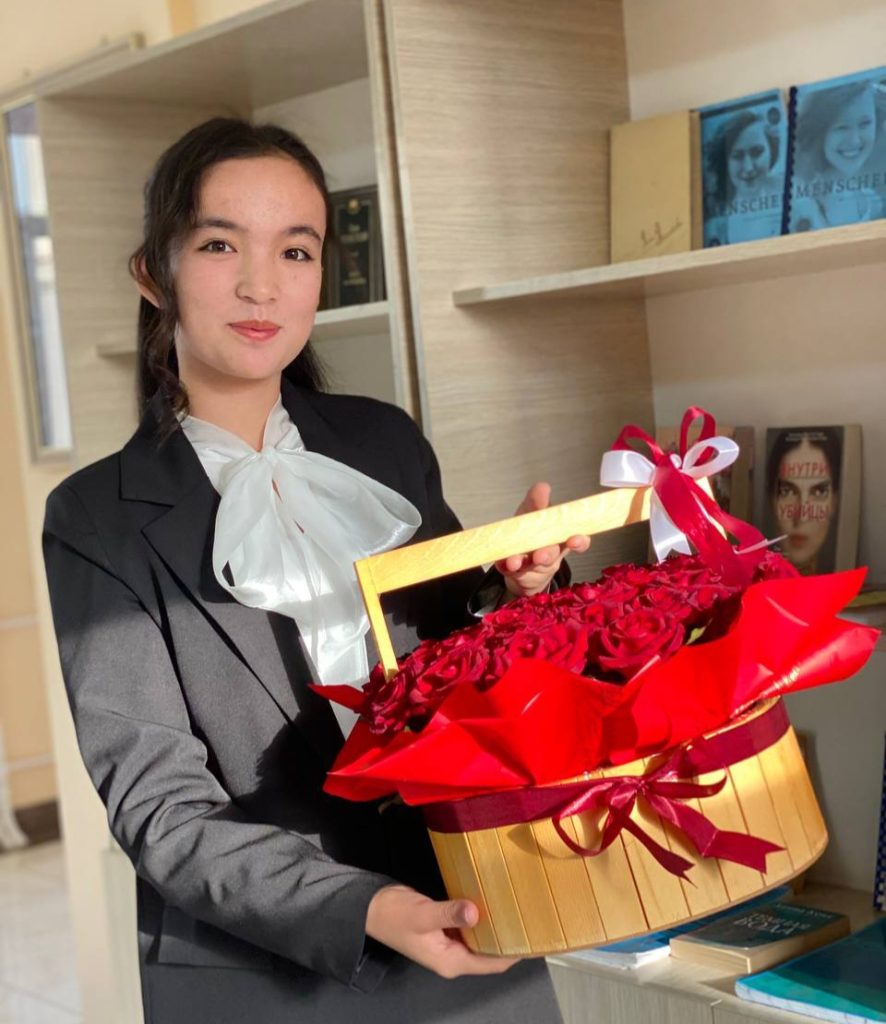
column 290, row 525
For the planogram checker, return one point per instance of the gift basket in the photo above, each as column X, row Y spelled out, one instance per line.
column 614, row 757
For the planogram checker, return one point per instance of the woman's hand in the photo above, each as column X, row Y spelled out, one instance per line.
column 531, row 573
column 423, row 930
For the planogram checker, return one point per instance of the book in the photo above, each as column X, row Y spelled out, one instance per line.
column 751, row 940
column 654, row 187
column 353, row 260
column 744, row 145
column 733, row 489
column 644, row 949
column 837, row 162
column 845, row 981
column 812, row 495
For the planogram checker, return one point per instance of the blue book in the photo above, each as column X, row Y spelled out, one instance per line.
column 844, row 982
column 744, row 159
column 837, row 159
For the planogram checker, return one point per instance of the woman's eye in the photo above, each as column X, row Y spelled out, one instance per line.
column 298, row 254
column 216, row 245
column 821, row 491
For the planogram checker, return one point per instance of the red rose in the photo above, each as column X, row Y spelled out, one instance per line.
column 629, row 642
column 668, row 601
column 386, row 700
column 774, row 567
column 617, row 593
column 562, row 643
column 630, row 574
column 465, row 663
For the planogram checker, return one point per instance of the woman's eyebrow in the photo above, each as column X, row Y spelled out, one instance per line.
column 229, row 225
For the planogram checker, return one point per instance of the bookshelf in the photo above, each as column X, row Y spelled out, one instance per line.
column 744, row 263
column 678, row 992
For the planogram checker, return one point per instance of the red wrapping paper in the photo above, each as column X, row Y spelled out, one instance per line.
column 541, row 724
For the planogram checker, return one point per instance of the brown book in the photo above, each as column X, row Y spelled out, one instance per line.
column 655, row 187
column 812, row 495
column 752, row 940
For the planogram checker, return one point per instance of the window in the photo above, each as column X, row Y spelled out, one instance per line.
column 32, row 248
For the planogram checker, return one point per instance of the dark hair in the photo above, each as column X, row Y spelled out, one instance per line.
column 718, row 149
column 171, row 198
column 826, row 440
column 815, row 116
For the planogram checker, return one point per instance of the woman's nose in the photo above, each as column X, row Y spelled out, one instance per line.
column 257, row 282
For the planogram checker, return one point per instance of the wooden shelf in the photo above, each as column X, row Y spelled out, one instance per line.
column 351, row 321
column 347, row 322
column 702, row 268
column 273, row 53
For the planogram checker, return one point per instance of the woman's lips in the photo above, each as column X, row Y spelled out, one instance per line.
column 255, row 330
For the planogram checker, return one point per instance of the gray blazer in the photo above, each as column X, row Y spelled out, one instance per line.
column 209, row 751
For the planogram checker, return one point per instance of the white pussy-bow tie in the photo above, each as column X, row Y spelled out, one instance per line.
column 290, row 525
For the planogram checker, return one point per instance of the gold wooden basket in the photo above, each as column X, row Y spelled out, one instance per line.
column 536, row 896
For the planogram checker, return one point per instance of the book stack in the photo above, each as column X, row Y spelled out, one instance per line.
column 845, row 981
column 751, row 940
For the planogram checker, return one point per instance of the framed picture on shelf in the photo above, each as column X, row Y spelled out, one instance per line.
column 353, row 269
column 30, row 246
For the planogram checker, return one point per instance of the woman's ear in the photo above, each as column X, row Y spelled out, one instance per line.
column 145, row 284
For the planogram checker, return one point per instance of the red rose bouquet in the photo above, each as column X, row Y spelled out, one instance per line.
column 662, row 665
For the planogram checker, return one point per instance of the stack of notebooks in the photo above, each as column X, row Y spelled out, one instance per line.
column 753, row 167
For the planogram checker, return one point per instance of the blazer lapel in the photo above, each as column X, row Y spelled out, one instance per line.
column 182, row 536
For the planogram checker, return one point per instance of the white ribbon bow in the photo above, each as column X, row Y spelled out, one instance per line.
column 290, row 525
column 627, row 468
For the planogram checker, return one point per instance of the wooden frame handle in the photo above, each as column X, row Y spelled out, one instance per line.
column 468, row 549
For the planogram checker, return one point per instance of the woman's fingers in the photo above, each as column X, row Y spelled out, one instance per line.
column 420, row 928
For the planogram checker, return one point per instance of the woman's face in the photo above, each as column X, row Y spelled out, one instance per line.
column 749, row 160
column 850, row 138
column 248, row 276
column 805, row 502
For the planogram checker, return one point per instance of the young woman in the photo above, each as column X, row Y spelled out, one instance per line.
column 201, row 577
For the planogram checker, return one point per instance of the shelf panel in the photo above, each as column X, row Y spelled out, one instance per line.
column 347, row 322
column 351, row 321
column 788, row 255
column 277, row 51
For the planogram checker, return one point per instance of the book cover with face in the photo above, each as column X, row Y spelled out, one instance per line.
column 839, row 151
column 744, row 146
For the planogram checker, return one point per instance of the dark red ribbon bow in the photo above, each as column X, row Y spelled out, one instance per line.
column 663, row 789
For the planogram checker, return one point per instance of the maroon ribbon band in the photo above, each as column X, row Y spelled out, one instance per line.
column 663, row 788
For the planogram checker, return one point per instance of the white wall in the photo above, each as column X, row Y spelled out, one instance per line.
column 790, row 351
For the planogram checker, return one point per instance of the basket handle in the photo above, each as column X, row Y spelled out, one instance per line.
column 468, row 549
